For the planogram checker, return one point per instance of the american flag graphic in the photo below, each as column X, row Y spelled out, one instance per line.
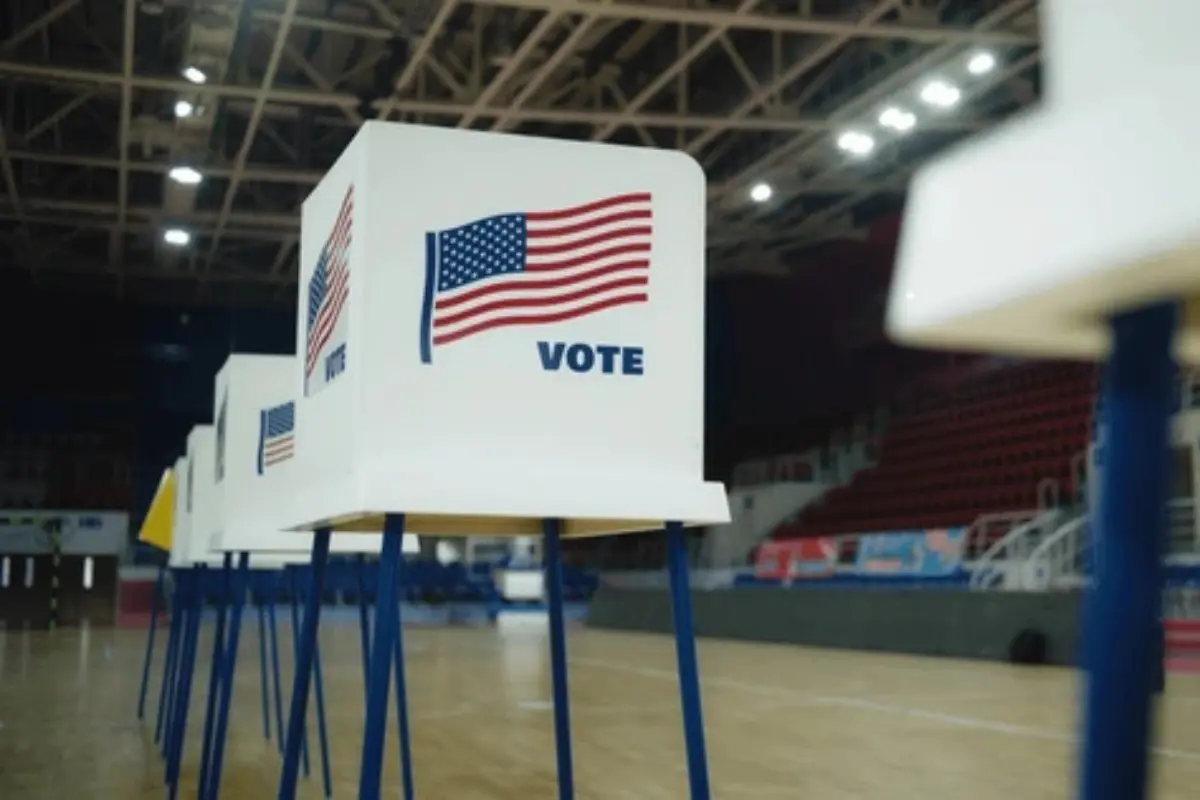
column 329, row 286
column 276, row 435
column 535, row 268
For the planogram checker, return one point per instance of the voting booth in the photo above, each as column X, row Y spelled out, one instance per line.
column 255, row 448
column 498, row 329
column 499, row 335
column 205, row 576
column 181, row 517
column 1074, row 231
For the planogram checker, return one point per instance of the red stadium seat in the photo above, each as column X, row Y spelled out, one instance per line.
column 985, row 446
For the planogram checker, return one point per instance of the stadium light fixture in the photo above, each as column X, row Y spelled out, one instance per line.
column 184, row 109
column 188, row 176
column 897, row 119
column 761, row 192
column 194, row 75
column 981, row 63
column 177, row 237
column 940, row 94
column 856, row 143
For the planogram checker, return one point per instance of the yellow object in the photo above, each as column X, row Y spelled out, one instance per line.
column 156, row 528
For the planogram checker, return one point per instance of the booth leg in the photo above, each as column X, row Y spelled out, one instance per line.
column 216, row 672
column 176, row 610
column 187, row 668
column 558, row 658
column 154, row 603
column 302, row 680
column 187, row 586
column 364, row 620
column 382, row 652
column 264, row 683
column 689, row 673
column 402, row 729
column 304, row 759
column 1125, row 600
column 240, row 581
column 277, row 680
column 322, row 726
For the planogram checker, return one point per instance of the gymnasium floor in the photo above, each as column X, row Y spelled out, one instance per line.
column 783, row 722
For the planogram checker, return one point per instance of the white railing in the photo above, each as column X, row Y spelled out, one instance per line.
column 999, row 561
column 981, row 534
column 1058, row 562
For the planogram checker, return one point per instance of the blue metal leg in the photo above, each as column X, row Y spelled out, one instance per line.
column 264, row 682
column 216, row 671
column 364, row 620
column 319, row 691
column 240, row 583
column 322, row 729
column 278, row 680
column 295, row 587
column 1124, row 603
column 302, row 680
column 154, row 603
column 168, row 680
column 406, row 767
column 689, row 673
column 187, row 668
column 186, row 587
column 382, row 652
column 558, row 658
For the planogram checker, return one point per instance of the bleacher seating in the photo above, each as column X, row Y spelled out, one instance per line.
column 65, row 470
column 982, row 446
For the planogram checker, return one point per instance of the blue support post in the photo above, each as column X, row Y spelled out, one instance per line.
column 689, row 672
column 216, row 671
column 1125, row 600
column 558, row 657
column 382, row 652
column 239, row 584
column 364, row 620
column 302, row 680
column 185, row 589
column 273, row 626
column 154, row 604
column 296, row 625
column 319, row 691
column 264, row 681
column 406, row 767
column 176, row 610
column 187, row 667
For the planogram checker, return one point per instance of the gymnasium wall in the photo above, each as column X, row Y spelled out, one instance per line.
column 952, row 623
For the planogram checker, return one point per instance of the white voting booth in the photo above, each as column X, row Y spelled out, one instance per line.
column 199, row 513
column 1074, row 231
column 499, row 329
column 499, row 335
column 254, row 451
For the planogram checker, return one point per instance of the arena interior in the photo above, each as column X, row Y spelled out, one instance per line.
column 893, row 611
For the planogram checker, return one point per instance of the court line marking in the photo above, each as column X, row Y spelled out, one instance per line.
column 953, row 720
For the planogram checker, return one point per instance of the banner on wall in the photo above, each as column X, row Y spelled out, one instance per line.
column 83, row 532
column 928, row 553
column 796, row 559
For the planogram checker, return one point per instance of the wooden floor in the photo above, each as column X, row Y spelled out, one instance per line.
column 783, row 722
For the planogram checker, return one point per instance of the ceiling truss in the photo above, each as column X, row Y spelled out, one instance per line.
column 756, row 90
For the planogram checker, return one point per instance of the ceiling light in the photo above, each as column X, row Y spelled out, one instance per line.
column 940, row 94
column 981, row 63
column 856, row 143
column 176, row 237
column 761, row 192
column 897, row 119
column 194, row 75
column 183, row 109
column 185, row 175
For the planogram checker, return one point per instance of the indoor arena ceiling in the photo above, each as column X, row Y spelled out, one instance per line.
column 165, row 145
